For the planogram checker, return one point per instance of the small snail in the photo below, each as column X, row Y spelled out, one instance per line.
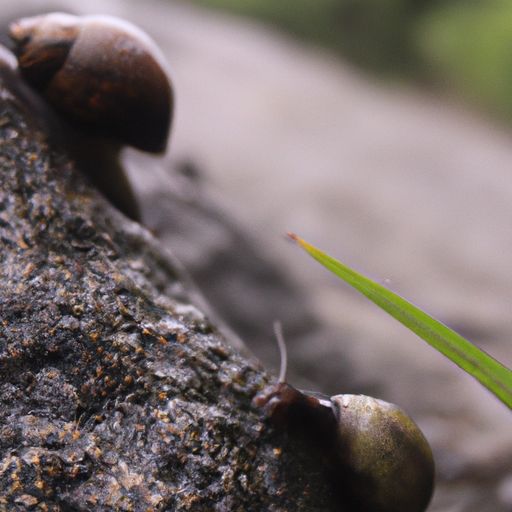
column 106, row 78
column 377, row 454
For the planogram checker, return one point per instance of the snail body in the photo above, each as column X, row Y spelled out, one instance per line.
column 108, row 80
column 376, row 453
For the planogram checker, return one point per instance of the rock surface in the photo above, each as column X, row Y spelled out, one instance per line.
column 116, row 393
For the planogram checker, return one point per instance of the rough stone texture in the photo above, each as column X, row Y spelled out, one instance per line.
column 116, row 393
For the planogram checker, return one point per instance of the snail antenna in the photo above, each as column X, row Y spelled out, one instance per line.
column 278, row 331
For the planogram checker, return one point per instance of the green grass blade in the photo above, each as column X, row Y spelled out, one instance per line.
column 492, row 374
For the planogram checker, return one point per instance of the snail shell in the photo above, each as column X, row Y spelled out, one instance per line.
column 390, row 461
column 102, row 73
column 377, row 455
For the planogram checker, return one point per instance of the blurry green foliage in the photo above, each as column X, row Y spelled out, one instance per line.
column 373, row 33
column 468, row 45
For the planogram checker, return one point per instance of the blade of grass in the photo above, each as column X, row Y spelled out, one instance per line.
column 492, row 374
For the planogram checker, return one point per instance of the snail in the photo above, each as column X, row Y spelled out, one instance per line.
column 108, row 80
column 376, row 454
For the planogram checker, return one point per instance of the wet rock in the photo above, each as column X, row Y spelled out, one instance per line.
column 117, row 393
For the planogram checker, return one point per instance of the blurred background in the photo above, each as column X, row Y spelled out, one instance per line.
column 379, row 131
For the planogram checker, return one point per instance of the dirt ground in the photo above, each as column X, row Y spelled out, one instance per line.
column 410, row 189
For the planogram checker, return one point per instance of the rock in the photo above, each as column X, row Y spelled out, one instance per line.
column 116, row 390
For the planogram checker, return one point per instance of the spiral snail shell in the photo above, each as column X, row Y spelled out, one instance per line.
column 100, row 72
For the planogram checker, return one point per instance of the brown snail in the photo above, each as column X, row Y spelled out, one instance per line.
column 375, row 451
column 106, row 78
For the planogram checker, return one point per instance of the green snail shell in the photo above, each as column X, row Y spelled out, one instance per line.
column 389, row 461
